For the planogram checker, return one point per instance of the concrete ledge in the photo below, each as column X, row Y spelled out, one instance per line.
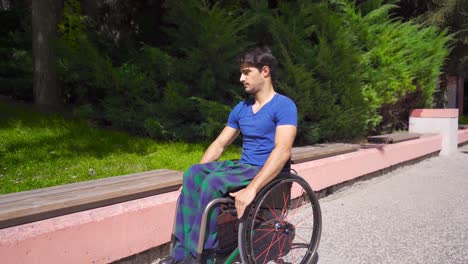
column 462, row 136
column 100, row 235
column 327, row 172
column 435, row 113
column 30, row 206
column 114, row 232
column 437, row 121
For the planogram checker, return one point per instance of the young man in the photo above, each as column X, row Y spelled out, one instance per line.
column 268, row 124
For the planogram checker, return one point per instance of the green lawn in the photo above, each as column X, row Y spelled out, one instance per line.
column 463, row 119
column 39, row 150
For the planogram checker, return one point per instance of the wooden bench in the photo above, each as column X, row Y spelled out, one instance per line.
column 320, row 151
column 393, row 138
column 24, row 207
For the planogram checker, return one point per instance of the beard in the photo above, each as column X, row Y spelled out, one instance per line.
column 250, row 90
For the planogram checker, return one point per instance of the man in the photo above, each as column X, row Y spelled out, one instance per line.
column 268, row 124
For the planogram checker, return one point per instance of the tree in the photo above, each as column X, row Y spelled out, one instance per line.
column 451, row 14
column 45, row 18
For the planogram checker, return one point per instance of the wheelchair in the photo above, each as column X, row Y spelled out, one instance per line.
column 282, row 225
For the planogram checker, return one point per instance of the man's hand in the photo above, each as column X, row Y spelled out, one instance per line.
column 242, row 199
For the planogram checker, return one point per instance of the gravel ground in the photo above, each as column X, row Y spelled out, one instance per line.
column 416, row 214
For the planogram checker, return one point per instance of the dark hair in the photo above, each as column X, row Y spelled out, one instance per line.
column 259, row 57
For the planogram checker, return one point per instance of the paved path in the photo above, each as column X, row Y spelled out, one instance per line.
column 416, row 214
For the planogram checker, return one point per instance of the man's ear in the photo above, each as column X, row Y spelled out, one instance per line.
column 266, row 71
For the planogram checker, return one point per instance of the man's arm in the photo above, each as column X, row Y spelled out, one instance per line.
column 217, row 147
column 281, row 153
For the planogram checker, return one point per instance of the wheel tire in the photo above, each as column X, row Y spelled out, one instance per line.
column 276, row 228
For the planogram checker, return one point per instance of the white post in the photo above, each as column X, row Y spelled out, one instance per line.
column 437, row 121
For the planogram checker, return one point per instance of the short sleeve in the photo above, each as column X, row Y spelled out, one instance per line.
column 286, row 113
column 233, row 120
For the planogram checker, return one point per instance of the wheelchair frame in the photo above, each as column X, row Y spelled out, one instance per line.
column 285, row 177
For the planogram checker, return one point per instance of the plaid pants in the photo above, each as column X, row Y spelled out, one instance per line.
column 201, row 184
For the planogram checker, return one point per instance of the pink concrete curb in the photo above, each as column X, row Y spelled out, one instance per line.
column 450, row 113
column 462, row 136
column 100, row 235
column 330, row 171
column 109, row 233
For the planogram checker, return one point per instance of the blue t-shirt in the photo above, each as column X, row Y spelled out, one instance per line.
column 259, row 129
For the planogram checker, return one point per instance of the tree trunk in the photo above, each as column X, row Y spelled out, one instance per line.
column 45, row 18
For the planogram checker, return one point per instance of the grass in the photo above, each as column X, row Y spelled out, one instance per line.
column 463, row 119
column 38, row 150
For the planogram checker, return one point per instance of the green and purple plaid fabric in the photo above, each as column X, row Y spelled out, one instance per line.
column 201, row 184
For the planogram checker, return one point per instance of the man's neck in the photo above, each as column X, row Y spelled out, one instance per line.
column 265, row 95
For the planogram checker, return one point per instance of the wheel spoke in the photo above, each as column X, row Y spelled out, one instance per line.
column 280, row 229
column 285, row 203
column 266, row 234
column 274, row 213
column 297, row 204
column 298, row 236
column 267, row 250
column 282, row 247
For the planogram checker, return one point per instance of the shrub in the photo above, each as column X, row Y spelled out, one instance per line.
column 184, row 96
column 350, row 69
column 401, row 60
column 16, row 69
column 463, row 119
column 85, row 73
column 318, row 62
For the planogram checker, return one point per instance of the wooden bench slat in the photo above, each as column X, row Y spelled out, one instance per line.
column 393, row 138
column 55, row 203
column 320, row 151
column 7, row 198
column 79, row 196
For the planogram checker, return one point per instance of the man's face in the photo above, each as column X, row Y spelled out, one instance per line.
column 252, row 79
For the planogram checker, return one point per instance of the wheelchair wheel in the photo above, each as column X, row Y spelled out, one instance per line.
column 282, row 225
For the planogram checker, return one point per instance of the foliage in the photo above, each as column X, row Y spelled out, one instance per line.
column 319, row 75
column 401, row 60
column 84, row 72
column 153, row 93
column 15, row 53
column 451, row 15
column 205, row 44
column 347, row 67
column 463, row 119
column 350, row 68
column 108, row 94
